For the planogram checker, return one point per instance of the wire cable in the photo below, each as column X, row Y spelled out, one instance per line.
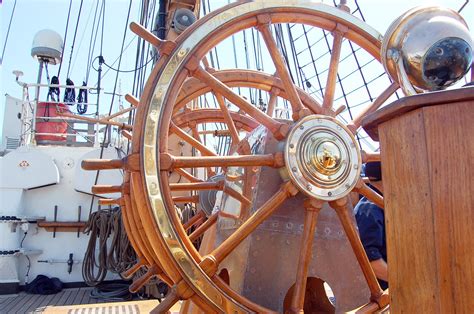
column 74, row 38
column 8, row 32
column 65, row 37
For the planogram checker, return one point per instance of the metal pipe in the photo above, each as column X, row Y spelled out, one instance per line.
column 35, row 103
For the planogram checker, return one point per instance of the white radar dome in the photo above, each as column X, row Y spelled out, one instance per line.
column 48, row 46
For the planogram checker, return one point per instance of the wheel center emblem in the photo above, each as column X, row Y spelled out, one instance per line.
column 322, row 157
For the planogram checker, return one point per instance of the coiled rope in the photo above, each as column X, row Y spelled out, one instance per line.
column 109, row 248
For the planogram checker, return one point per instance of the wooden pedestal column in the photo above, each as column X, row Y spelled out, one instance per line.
column 427, row 151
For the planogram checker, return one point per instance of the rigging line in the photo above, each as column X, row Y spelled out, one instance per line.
column 128, row 71
column 101, row 15
column 74, row 38
column 65, row 37
column 358, row 67
column 149, row 49
column 82, row 37
column 313, row 61
column 138, row 76
column 110, row 67
column 463, row 6
column 8, row 32
column 103, row 27
column 91, row 46
column 360, row 11
column 296, row 62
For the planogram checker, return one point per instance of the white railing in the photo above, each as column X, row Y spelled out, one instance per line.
column 70, row 134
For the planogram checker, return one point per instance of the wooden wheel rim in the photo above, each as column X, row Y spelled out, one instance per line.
column 157, row 117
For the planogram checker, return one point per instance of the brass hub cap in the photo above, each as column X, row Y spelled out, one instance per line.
column 322, row 157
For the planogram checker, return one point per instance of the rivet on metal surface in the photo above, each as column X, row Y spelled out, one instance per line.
column 294, row 169
column 292, row 145
column 309, row 187
column 287, row 242
column 356, row 167
column 301, row 127
column 329, row 193
column 313, row 139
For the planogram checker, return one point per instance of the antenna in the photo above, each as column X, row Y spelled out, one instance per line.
column 47, row 48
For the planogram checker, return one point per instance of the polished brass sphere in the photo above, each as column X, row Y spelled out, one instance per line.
column 427, row 49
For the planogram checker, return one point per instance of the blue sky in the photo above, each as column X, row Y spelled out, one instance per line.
column 34, row 15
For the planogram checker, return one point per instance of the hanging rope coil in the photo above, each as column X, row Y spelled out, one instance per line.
column 109, row 248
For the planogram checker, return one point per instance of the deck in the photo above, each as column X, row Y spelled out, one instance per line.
column 54, row 303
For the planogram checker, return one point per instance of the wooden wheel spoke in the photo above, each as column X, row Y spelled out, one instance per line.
column 272, row 101
column 312, row 208
column 191, row 222
column 344, row 212
column 168, row 162
column 369, row 193
column 200, row 186
column 187, row 175
column 234, row 134
column 204, row 227
column 369, row 156
column 286, row 190
column 357, row 121
column 196, row 186
column 277, row 128
column 186, row 199
column 238, row 196
column 280, row 65
column 191, row 140
column 333, row 68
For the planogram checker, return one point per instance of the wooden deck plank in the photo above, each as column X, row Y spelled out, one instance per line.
column 45, row 301
column 78, row 297
column 57, row 297
column 64, row 295
column 25, row 303
column 72, row 296
column 34, row 305
column 87, row 298
column 7, row 300
column 12, row 306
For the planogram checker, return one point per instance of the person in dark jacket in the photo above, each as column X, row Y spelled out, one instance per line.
column 371, row 222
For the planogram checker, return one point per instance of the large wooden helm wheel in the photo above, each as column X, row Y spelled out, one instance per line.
column 319, row 155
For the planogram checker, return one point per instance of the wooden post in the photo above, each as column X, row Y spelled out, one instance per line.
column 427, row 152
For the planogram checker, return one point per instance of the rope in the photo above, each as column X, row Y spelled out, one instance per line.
column 99, row 259
column 8, row 32
column 93, row 39
column 65, row 37
column 74, row 39
column 111, row 292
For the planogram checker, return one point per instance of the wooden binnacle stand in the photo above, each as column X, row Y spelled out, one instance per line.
column 427, row 154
